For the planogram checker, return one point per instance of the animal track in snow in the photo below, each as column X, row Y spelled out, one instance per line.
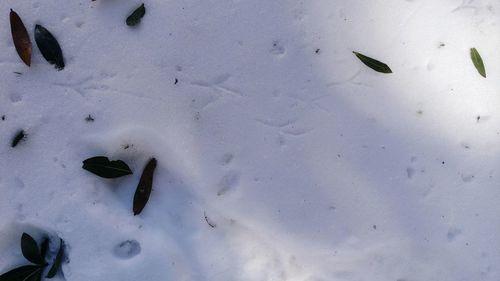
column 278, row 49
column 127, row 249
column 20, row 212
column 453, row 233
column 287, row 127
column 467, row 177
column 466, row 4
column 228, row 182
column 410, row 172
column 15, row 97
column 87, row 83
column 227, row 158
column 349, row 79
column 217, row 85
column 293, row 131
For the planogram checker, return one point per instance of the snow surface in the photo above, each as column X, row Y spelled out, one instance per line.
column 308, row 165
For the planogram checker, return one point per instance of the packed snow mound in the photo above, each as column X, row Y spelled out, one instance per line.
column 281, row 156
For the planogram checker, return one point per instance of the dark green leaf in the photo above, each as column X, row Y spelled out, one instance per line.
column 57, row 262
column 478, row 62
column 136, row 16
column 30, row 250
column 49, row 47
column 144, row 187
column 101, row 166
column 23, row 273
column 37, row 276
column 44, row 247
column 20, row 37
column 373, row 63
column 17, row 138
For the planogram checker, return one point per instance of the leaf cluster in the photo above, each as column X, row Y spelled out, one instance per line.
column 37, row 256
column 46, row 42
column 105, row 168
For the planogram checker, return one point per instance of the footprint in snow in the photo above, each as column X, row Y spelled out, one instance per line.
column 127, row 249
column 228, row 182
column 277, row 49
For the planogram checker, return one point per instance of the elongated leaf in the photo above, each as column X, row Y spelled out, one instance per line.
column 30, row 250
column 373, row 63
column 144, row 187
column 44, row 247
column 23, row 273
column 57, row 262
column 20, row 37
column 17, row 138
column 103, row 167
column 49, row 47
column 478, row 62
column 136, row 16
column 37, row 276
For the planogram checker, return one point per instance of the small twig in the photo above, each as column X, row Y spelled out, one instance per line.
column 211, row 224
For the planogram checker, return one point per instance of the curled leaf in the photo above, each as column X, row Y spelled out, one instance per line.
column 23, row 273
column 144, row 187
column 49, row 47
column 30, row 250
column 373, row 63
column 136, row 16
column 103, row 167
column 20, row 37
column 478, row 62
column 57, row 262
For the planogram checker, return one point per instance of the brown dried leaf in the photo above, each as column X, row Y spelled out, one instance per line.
column 20, row 37
column 144, row 188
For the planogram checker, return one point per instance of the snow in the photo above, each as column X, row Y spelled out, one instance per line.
column 280, row 155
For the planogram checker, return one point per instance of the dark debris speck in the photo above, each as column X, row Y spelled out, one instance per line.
column 89, row 118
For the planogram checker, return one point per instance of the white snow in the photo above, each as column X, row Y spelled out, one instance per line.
column 309, row 165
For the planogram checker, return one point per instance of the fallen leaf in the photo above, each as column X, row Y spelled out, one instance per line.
column 57, row 262
column 49, row 47
column 136, row 16
column 23, row 273
column 144, row 187
column 20, row 37
column 17, row 138
column 478, row 62
column 373, row 63
column 30, row 250
column 103, row 167
column 44, row 247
